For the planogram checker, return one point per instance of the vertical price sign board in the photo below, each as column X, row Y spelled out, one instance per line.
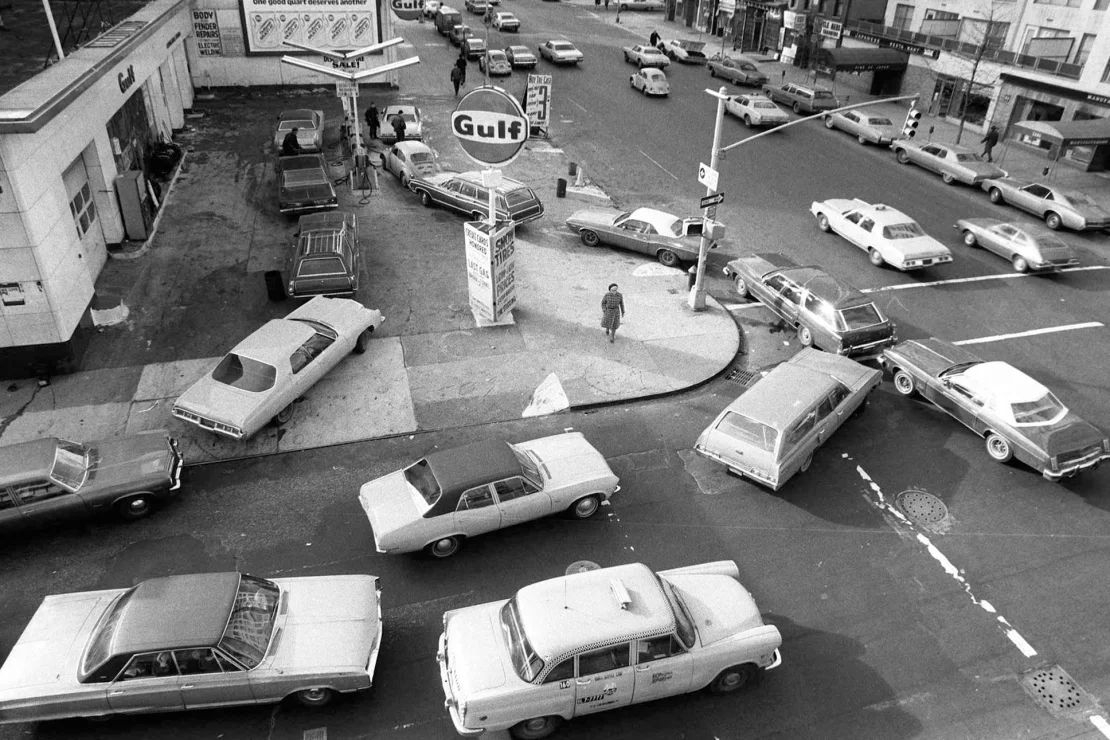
column 538, row 103
column 490, row 270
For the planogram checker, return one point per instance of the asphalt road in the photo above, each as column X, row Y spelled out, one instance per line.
column 892, row 629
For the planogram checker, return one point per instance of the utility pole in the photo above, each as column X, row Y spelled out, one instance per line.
column 697, row 294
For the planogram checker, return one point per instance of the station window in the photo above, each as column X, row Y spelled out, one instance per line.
column 83, row 209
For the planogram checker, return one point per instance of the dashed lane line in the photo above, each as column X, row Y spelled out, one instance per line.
column 658, row 165
column 1032, row 333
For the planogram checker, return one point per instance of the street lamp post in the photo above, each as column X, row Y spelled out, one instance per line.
column 697, row 295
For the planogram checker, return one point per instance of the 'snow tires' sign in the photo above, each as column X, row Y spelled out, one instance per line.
column 490, row 125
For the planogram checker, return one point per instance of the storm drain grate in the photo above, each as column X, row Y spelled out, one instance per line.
column 1055, row 690
column 742, row 377
column 922, row 507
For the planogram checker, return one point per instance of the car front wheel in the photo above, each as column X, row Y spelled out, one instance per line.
column 823, row 222
column 314, row 697
column 284, row 415
column 748, row 121
column 425, row 199
column 136, row 507
column 535, row 728
column 904, row 383
column 797, row 109
column 590, row 238
column 875, row 257
column 1052, row 220
column 862, row 139
column 741, row 287
column 969, row 239
column 902, row 156
column 586, row 507
column 998, row 447
column 667, row 257
column 1019, row 263
column 444, row 547
column 828, row 122
column 735, row 678
column 995, row 195
column 805, row 336
column 947, row 178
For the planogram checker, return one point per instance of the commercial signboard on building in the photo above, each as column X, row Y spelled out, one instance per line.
column 892, row 43
column 491, row 269
column 206, row 31
column 339, row 25
column 831, row 29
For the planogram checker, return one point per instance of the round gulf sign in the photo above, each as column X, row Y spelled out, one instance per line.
column 407, row 10
column 490, row 125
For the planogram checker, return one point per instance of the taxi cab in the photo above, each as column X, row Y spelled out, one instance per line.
column 598, row 640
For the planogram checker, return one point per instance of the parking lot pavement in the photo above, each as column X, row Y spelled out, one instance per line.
column 198, row 288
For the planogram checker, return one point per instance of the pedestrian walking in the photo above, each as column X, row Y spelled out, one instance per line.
column 398, row 122
column 606, row 4
column 456, row 79
column 372, row 121
column 989, row 141
column 612, row 310
column 653, row 39
column 618, row 12
column 289, row 145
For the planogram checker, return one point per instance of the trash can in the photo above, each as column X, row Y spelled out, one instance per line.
column 561, row 188
column 573, row 169
column 275, row 288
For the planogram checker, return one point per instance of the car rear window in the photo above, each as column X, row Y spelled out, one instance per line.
column 321, row 266
column 859, row 317
column 420, row 476
column 908, row 230
column 822, row 94
column 1044, row 410
column 748, row 430
column 287, row 125
column 244, row 373
column 519, row 196
column 422, row 158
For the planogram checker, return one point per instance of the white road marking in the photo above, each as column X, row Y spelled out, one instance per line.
column 578, row 104
column 981, row 278
column 658, row 165
column 1031, row 333
column 1101, row 724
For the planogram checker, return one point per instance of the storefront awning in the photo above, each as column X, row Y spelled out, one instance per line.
column 1066, row 133
column 853, row 59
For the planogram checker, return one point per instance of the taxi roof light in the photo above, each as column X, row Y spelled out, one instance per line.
column 620, row 593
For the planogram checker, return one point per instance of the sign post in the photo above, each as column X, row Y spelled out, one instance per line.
column 708, row 176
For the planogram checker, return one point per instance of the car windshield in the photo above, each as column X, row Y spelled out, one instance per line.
column 561, row 46
column 251, row 622
column 1080, row 198
column 527, row 664
column 748, row 430
column 763, row 104
column 244, row 373
column 101, row 641
column 296, row 178
column 529, row 464
column 1044, row 410
column 907, row 230
column 683, row 622
column 71, row 464
column 321, row 266
column 420, row 476
column 859, row 317
column 286, row 125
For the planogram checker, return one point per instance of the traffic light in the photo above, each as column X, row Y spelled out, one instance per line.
column 913, row 118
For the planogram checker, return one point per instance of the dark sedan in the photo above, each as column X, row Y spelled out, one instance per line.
column 45, row 481
column 1018, row 417
column 1026, row 247
column 828, row 313
column 303, row 184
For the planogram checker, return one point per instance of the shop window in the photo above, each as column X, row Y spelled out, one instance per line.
column 83, row 209
column 1084, row 49
column 903, row 15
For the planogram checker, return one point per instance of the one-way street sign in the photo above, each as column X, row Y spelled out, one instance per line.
column 711, row 200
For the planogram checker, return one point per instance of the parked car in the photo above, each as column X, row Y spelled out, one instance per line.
column 737, row 70
column 414, row 123
column 309, row 125
column 474, row 47
column 643, row 55
column 449, row 496
column 755, row 110
column 459, row 33
column 953, row 163
column 802, row 98
column 827, row 312
column 886, row 234
column 640, row 4
column 261, row 377
column 409, row 159
column 686, row 51
column 560, row 51
column 520, row 57
column 666, row 237
column 1026, row 247
column 867, row 127
column 464, row 193
column 430, row 8
column 446, row 19
column 650, row 81
column 476, row 6
column 50, row 480
column 1018, row 417
column 304, row 185
column 599, row 640
column 496, row 62
column 506, row 22
column 191, row 642
column 1058, row 207
column 773, row 429
column 325, row 258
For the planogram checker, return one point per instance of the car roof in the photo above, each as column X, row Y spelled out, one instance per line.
column 461, row 468
column 27, row 460
column 579, row 611
column 274, row 341
column 518, row 48
column 881, row 213
column 653, row 72
column 1002, row 381
column 176, row 612
column 661, row 220
column 826, row 287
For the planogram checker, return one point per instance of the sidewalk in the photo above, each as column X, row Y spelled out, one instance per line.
column 198, row 289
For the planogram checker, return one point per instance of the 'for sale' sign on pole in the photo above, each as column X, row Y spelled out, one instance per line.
column 490, row 270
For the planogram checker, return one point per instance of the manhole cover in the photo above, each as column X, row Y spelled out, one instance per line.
column 922, row 507
column 1054, row 689
column 581, row 566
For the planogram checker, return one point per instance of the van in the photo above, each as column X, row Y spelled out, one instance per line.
column 446, row 19
column 771, row 431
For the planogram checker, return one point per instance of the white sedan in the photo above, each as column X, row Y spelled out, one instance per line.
column 886, row 234
column 561, row 51
column 644, row 55
column 650, row 81
column 410, row 159
column 261, row 377
column 755, row 110
column 414, row 124
column 865, row 126
column 506, row 22
column 450, row 495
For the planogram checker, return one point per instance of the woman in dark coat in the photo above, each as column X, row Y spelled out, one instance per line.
column 612, row 309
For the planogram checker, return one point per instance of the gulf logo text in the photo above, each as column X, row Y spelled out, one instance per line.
column 489, row 127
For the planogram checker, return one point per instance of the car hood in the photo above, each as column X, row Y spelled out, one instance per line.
column 51, row 646
column 1067, row 435
column 594, row 217
column 331, row 622
column 131, row 460
column 719, row 605
column 317, row 191
column 569, row 459
column 931, row 355
column 221, row 402
column 477, row 659
column 390, row 505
